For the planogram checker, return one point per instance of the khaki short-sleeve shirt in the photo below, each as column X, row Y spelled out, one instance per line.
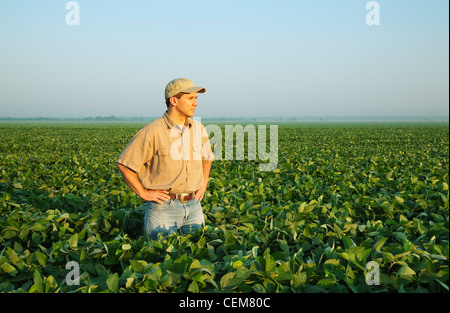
column 167, row 156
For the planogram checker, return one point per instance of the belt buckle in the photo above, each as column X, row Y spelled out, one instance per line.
column 182, row 197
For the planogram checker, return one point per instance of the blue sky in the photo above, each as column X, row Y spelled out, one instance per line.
column 255, row 58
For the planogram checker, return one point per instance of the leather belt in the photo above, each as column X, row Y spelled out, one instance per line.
column 183, row 197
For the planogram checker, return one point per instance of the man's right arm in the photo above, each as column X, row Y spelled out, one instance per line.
column 135, row 184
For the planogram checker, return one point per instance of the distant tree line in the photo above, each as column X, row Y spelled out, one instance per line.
column 110, row 118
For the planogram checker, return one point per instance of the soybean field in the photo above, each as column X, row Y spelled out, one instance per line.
column 349, row 208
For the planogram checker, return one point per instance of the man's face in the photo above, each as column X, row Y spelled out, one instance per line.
column 186, row 104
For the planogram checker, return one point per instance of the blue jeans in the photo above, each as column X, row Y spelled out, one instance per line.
column 172, row 216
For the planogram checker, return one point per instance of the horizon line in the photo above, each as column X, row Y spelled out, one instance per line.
column 306, row 118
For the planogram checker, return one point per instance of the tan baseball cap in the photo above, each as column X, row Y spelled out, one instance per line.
column 183, row 85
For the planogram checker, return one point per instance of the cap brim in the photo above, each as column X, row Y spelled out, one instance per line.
column 194, row 89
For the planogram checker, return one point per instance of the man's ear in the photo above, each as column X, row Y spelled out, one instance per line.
column 173, row 101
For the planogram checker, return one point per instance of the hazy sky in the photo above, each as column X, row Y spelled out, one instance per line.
column 255, row 58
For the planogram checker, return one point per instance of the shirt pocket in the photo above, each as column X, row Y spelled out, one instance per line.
column 167, row 164
column 196, row 153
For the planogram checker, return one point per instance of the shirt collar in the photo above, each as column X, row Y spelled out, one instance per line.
column 170, row 123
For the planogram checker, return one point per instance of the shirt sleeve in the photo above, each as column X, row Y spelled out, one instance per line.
column 137, row 152
column 207, row 154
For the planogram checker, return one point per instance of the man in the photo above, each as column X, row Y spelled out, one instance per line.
column 167, row 163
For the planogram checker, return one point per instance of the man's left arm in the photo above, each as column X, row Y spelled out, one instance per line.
column 201, row 191
column 207, row 159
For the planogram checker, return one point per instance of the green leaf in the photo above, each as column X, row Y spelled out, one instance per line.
column 113, row 282
column 442, row 284
column 302, row 207
column 8, row 268
column 242, row 273
column 334, row 262
column 347, row 242
column 101, row 270
column 299, row 279
column 73, row 241
column 380, row 243
column 388, row 257
column 13, row 257
column 250, row 226
column 261, row 188
column 270, row 263
column 259, row 288
column 233, row 279
column 195, row 265
column 166, row 280
column 41, row 258
column 126, row 246
column 38, row 283
column 193, row 287
column 282, row 273
column 227, row 280
column 284, row 246
column 137, row 265
column 255, row 252
column 230, row 241
column 405, row 270
column 325, row 282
